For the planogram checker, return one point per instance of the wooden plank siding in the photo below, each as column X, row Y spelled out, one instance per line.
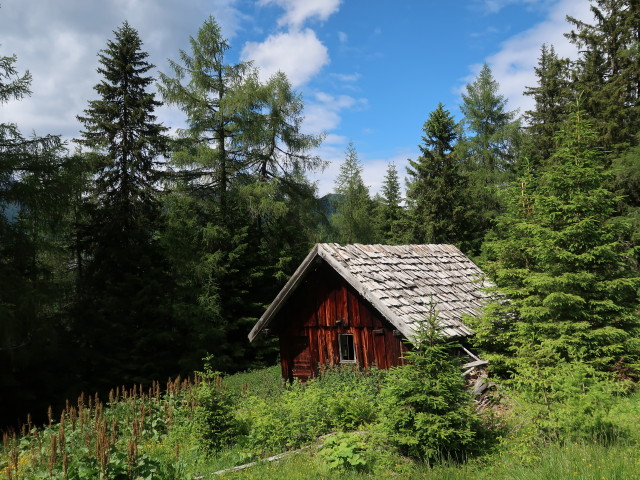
column 324, row 306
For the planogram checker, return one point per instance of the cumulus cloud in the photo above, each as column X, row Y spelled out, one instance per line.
column 299, row 11
column 513, row 65
column 299, row 54
column 58, row 43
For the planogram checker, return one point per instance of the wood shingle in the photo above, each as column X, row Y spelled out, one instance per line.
column 400, row 282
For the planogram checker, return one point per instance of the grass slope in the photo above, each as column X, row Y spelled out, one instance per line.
column 157, row 434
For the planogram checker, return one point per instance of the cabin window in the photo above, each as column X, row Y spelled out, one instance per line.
column 347, row 349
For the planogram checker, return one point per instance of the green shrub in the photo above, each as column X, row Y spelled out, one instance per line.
column 569, row 401
column 344, row 451
column 428, row 414
column 341, row 398
column 213, row 416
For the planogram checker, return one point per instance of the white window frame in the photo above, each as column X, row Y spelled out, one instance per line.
column 353, row 348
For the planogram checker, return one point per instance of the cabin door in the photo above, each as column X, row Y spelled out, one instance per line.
column 300, row 365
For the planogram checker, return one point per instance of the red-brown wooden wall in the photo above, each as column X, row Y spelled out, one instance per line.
column 308, row 327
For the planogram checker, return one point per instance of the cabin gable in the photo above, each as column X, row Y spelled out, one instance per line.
column 324, row 310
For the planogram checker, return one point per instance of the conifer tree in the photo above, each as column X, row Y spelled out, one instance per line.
column 353, row 218
column 487, row 151
column 36, row 283
column 436, row 188
column 561, row 258
column 391, row 218
column 607, row 74
column 429, row 415
column 123, row 312
column 489, row 145
column 552, row 99
column 205, row 87
column 239, row 214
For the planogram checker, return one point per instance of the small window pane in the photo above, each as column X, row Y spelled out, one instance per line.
column 347, row 350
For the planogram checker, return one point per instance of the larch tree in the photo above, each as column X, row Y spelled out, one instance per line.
column 487, row 150
column 208, row 90
column 123, row 310
column 239, row 209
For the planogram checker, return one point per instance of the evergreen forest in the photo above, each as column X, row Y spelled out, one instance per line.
column 130, row 254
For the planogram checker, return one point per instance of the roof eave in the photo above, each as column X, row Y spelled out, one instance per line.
column 284, row 294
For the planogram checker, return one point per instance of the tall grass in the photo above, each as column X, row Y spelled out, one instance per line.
column 150, row 434
column 127, row 437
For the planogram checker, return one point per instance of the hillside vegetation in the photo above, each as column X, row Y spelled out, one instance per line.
column 193, row 429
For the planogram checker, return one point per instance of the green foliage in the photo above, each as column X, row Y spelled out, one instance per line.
column 607, row 73
column 156, row 435
column 122, row 316
column 569, row 402
column 126, row 439
column 341, row 398
column 552, row 99
column 38, row 188
column 344, row 451
column 487, row 151
column 214, row 421
column 491, row 126
column 241, row 213
column 428, row 414
column 391, row 218
column 436, row 189
column 352, row 221
column 563, row 260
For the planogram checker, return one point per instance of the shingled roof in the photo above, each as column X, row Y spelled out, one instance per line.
column 401, row 282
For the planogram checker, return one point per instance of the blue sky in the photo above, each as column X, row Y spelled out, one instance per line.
column 369, row 71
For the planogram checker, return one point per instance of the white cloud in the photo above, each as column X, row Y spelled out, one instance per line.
column 299, row 54
column 373, row 172
column 343, row 37
column 322, row 113
column 58, row 43
column 346, row 78
column 299, row 11
column 494, row 6
column 513, row 66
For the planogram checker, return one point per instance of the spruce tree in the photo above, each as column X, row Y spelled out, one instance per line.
column 552, row 97
column 123, row 312
column 353, row 218
column 429, row 415
column 392, row 228
column 436, row 189
column 607, row 74
column 561, row 261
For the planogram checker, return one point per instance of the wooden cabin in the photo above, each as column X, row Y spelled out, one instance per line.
column 357, row 304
